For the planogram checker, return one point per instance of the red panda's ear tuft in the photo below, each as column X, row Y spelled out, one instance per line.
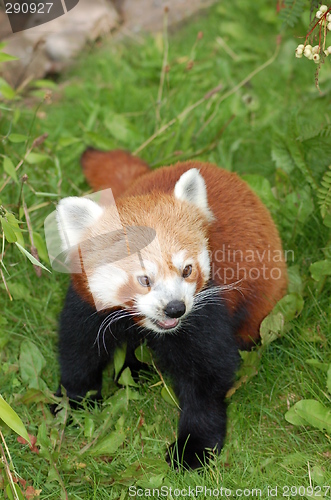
column 74, row 215
column 191, row 187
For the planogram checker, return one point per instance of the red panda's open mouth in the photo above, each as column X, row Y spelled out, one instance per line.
column 168, row 323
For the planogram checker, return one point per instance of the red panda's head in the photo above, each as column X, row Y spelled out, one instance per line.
column 149, row 254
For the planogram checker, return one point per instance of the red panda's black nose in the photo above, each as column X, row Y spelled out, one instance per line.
column 175, row 309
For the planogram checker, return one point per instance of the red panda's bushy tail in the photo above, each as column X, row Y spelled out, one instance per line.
column 115, row 169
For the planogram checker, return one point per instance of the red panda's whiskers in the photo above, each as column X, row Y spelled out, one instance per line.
column 108, row 321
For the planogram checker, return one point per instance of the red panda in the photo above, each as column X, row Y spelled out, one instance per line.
column 202, row 269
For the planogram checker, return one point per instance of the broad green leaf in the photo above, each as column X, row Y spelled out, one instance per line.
column 320, row 269
column 8, row 230
column 293, row 417
column 250, row 363
column 119, row 426
column 9, row 168
column 34, row 396
column 318, row 475
column 98, row 141
column 281, row 155
column 296, row 151
column 151, row 481
column 119, row 359
column 31, row 258
column 31, row 363
column 35, row 158
column 7, row 57
column 89, row 427
column 295, row 458
column 14, row 223
column 290, row 306
column 19, row 494
column 10, row 417
column 12, row 220
column 68, row 141
column 327, row 220
column 295, row 281
column 19, row 291
column 318, row 364
column 44, row 84
column 169, row 396
column 126, row 378
column 144, row 354
column 271, row 327
column 299, row 205
column 40, row 245
column 108, row 445
column 6, row 90
column 17, row 138
column 118, row 403
column 261, row 186
column 44, row 442
column 310, row 412
column 119, row 127
column 249, row 368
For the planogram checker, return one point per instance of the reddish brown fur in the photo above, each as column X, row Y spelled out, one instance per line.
column 241, row 223
column 119, row 166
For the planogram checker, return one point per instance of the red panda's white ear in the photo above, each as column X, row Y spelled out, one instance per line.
column 74, row 215
column 191, row 187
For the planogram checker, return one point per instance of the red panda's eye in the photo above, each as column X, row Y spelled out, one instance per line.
column 144, row 280
column 187, row 271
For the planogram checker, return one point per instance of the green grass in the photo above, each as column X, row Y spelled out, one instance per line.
column 270, row 127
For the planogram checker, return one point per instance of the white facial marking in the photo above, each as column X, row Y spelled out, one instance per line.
column 191, row 187
column 204, row 262
column 104, row 285
column 151, row 306
column 74, row 215
column 148, row 268
column 178, row 259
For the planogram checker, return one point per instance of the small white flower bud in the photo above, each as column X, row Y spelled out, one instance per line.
column 319, row 14
column 316, row 58
column 301, row 46
column 299, row 52
column 316, row 49
column 329, row 26
column 323, row 8
column 329, row 49
column 326, row 52
column 311, row 56
column 307, row 52
column 328, row 17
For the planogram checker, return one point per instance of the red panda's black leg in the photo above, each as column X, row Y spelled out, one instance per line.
column 81, row 359
column 201, row 358
column 86, row 345
column 202, row 430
